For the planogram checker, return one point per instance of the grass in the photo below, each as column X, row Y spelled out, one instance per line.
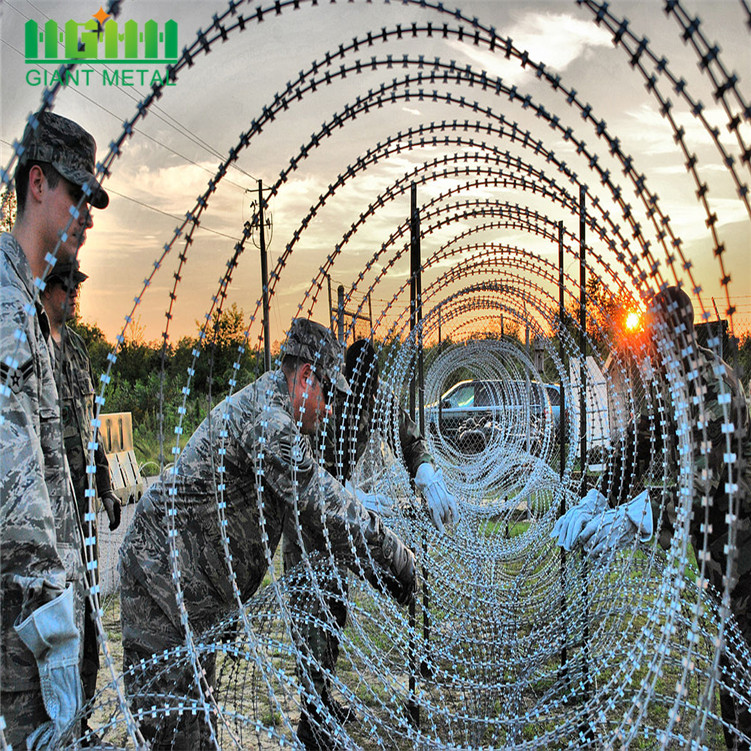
column 485, row 677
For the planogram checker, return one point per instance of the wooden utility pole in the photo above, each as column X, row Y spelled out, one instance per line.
column 264, row 283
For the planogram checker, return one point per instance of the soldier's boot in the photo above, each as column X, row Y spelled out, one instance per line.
column 313, row 738
column 344, row 713
column 313, row 730
column 89, row 739
column 95, row 743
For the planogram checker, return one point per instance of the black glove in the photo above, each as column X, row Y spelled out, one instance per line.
column 402, row 590
column 111, row 505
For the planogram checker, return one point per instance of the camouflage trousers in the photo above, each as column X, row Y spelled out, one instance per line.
column 735, row 712
column 155, row 685
column 316, row 621
column 90, row 664
column 24, row 712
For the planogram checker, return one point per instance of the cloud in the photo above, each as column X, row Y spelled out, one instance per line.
column 171, row 189
column 556, row 39
column 648, row 128
column 146, row 192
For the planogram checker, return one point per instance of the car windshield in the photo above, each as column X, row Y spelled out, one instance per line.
column 464, row 396
column 495, row 393
column 519, row 393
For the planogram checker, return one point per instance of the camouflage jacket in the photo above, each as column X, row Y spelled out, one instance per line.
column 643, row 445
column 722, row 455
column 76, row 388
column 249, row 457
column 346, row 442
column 40, row 540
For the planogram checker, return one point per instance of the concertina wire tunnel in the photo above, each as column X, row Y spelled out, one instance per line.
column 512, row 644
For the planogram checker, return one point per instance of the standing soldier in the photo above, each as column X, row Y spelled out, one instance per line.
column 701, row 383
column 253, row 456
column 41, row 571
column 75, row 383
column 355, row 414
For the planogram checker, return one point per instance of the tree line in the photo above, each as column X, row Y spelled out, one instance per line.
column 148, row 378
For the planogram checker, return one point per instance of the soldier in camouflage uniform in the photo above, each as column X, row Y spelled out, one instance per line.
column 710, row 384
column 41, row 571
column 75, row 382
column 253, row 455
column 344, row 442
column 701, row 374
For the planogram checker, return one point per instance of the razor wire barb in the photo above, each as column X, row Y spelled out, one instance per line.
column 503, row 620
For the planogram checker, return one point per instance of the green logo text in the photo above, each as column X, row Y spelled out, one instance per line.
column 100, row 40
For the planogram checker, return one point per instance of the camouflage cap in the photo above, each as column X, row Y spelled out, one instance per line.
column 314, row 343
column 55, row 140
column 66, row 272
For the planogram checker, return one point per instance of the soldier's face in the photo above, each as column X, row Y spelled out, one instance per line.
column 60, row 301
column 58, row 203
column 309, row 400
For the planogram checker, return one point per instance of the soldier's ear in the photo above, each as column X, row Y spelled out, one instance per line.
column 306, row 371
column 37, row 183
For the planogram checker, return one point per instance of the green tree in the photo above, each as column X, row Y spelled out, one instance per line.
column 222, row 348
column 607, row 312
column 96, row 343
column 744, row 361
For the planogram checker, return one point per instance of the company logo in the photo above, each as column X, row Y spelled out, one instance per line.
column 100, row 40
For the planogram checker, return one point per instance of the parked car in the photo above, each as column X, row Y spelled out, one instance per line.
column 471, row 412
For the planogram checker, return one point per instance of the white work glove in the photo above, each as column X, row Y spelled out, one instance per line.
column 50, row 633
column 568, row 528
column 442, row 505
column 616, row 528
column 376, row 502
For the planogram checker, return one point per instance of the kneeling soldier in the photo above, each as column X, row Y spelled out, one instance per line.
column 255, row 446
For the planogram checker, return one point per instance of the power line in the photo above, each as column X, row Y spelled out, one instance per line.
column 167, row 213
column 146, row 135
column 155, row 109
column 149, row 206
column 154, row 208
